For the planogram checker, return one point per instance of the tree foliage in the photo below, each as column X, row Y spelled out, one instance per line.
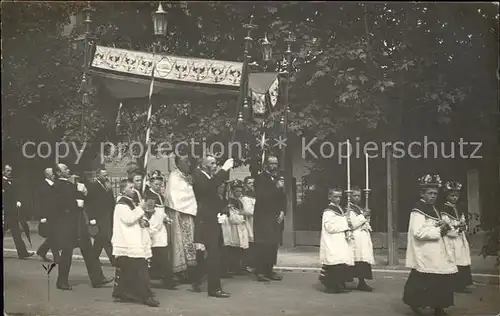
column 356, row 64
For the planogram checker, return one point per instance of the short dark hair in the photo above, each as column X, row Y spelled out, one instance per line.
column 124, row 183
column 356, row 188
column 269, row 157
column 56, row 170
column 179, row 156
column 134, row 174
column 335, row 189
column 247, row 178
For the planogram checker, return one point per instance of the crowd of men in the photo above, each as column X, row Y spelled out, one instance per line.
column 194, row 225
column 437, row 253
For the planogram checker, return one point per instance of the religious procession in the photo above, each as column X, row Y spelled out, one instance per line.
column 332, row 166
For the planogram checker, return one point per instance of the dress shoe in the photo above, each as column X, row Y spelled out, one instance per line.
column 364, row 287
column 464, row 290
column 170, row 285
column 125, row 298
column 195, row 288
column 44, row 258
column 415, row 310
column 219, row 294
column 262, row 278
column 274, row 277
column 151, row 302
column 439, row 312
column 337, row 290
column 29, row 254
column 64, row 287
column 103, row 282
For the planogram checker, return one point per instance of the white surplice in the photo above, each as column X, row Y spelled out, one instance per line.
column 334, row 247
column 427, row 251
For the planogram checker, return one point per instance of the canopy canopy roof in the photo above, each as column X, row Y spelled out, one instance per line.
column 127, row 74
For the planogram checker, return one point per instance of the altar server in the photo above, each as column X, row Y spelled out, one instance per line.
column 248, row 201
column 131, row 248
column 458, row 222
column 362, row 247
column 336, row 252
column 432, row 262
column 160, row 262
column 237, row 240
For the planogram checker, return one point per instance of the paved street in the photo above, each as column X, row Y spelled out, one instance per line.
column 304, row 256
column 25, row 287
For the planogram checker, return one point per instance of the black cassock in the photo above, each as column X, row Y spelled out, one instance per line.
column 45, row 207
column 207, row 228
column 71, row 231
column 269, row 203
column 100, row 204
column 10, row 197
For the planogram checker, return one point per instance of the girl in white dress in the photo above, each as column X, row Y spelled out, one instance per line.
column 457, row 220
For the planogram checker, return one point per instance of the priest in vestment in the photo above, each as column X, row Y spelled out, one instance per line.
column 181, row 199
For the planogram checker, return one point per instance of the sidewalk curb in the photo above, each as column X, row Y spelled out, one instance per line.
column 492, row 278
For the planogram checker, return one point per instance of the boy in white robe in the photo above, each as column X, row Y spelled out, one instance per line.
column 131, row 248
column 450, row 213
column 239, row 232
column 248, row 201
column 428, row 254
column 160, row 262
column 336, row 252
column 362, row 247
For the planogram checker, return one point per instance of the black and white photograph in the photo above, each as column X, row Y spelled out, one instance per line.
column 242, row 158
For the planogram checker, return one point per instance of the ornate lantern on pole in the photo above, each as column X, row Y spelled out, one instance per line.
column 160, row 22
column 267, row 49
column 85, row 84
column 159, row 29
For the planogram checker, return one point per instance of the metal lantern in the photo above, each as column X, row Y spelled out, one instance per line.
column 282, row 124
column 267, row 49
column 247, row 113
column 239, row 123
column 160, row 21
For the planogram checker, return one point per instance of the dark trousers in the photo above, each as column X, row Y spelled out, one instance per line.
column 213, row 267
column 44, row 249
column 12, row 223
column 161, row 267
column 198, row 272
column 102, row 241
column 266, row 255
column 93, row 265
column 231, row 259
column 132, row 279
column 249, row 255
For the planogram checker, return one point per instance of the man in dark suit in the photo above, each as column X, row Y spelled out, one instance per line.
column 268, row 219
column 207, row 228
column 11, row 205
column 100, row 205
column 45, row 204
column 72, row 230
